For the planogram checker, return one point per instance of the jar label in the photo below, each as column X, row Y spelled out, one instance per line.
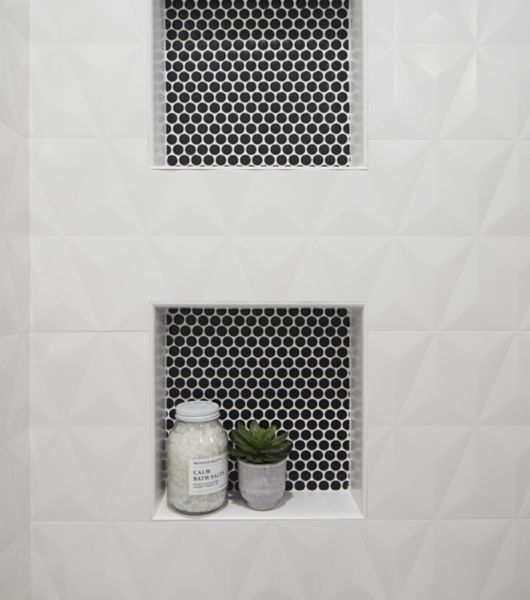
column 207, row 475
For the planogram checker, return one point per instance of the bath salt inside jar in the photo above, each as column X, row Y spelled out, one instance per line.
column 197, row 459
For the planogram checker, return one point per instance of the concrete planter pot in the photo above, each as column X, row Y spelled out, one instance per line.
column 262, row 486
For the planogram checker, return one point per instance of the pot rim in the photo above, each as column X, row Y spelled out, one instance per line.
column 261, row 465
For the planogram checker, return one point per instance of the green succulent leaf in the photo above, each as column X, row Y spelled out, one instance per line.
column 270, row 434
column 282, row 436
column 255, row 429
column 242, row 443
column 259, row 445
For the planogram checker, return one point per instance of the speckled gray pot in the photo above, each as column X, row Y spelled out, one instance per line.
column 262, row 486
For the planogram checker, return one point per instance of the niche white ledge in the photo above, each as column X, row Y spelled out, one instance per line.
column 294, row 506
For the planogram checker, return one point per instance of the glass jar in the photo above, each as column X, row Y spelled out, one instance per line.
column 197, row 459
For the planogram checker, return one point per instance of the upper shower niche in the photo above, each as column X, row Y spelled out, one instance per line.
column 258, row 84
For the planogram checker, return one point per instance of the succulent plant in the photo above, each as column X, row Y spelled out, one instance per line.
column 258, row 445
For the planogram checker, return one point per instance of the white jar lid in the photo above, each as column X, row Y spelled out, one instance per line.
column 197, row 411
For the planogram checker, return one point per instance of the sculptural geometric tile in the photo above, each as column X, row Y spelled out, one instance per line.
column 432, row 238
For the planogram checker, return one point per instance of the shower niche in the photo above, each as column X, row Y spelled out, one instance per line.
column 299, row 367
column 258, row 84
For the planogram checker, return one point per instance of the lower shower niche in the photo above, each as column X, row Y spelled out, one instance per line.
column 297, row 367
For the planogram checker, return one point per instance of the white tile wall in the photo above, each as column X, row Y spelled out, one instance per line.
column 14, row 302
column 402, row 560
column 433, row 237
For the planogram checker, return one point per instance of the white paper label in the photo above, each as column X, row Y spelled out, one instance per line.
column 207, row 475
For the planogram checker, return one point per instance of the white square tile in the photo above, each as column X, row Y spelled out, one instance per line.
column 491, row 479
column 415, row 281
column 444, row 559
column 448, row 472
column 89, row 473
column 443, row 378
column 493, row 289
column 90, row 379
column 486, row 103
column 69, row 560
column 67, row 80
column 410, row 468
